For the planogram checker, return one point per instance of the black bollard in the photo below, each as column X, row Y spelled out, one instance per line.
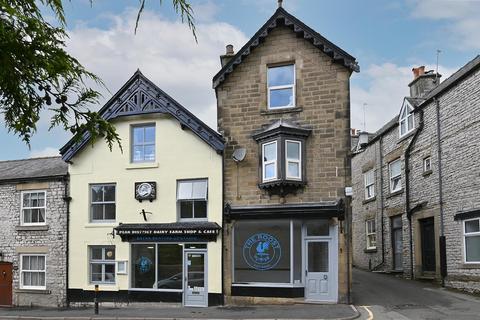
column 95, row 300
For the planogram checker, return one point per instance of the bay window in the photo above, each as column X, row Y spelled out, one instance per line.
column 293, row 159
column 269, row 161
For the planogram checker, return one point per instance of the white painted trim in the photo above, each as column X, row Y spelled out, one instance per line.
column 22, row 218
column 396, row 176
column 410, row 113
column 283, row 87
column 22, row 286
column 365, row 175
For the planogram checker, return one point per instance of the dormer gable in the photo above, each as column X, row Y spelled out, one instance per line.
column 406, row 118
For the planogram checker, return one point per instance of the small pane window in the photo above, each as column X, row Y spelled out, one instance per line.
column 33, row 207
column 369, row 178
column 102, row 206
column 395, row 168
column 371, row 234
column 406, row 120
column 33, row 272
column 472, row 240
column 269, row 159
column 427, row 164
column 192, row 199
column 143, row 143
column 102, row 264
column 281, row 86
column 293, row 159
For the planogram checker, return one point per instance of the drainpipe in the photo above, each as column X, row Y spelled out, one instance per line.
column 382, row 200
column 443, row 253
column 67, row 200
column 407, row 189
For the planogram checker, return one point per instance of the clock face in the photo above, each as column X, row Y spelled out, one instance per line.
column 144, row 189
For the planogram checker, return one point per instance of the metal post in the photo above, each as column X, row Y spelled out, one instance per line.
column 95, row 300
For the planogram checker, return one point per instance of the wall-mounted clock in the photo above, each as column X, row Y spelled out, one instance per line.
column 145, row 191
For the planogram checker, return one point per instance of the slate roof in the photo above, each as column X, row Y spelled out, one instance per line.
column 283, row 126
column 33, row 169
column 282, row 17
column 141, row 96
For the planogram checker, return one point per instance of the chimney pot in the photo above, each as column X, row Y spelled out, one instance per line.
column 229, row 50
column 418, row 72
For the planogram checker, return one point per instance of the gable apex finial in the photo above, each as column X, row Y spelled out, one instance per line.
column 280, row 3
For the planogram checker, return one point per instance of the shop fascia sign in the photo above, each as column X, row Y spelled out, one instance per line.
column 168, row 232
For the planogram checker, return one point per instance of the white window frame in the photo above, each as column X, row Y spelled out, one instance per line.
column 22, row 271
column 467, row 235
column 405, row 120
column 299, row 161
column 91, row 220
column 275, row 162
column 369, row 186
column 395, row 177
column 22, row 216
column 102, row 262
column 193, row 200
column 368, row 234
column 143, row 144
column 293, row 85
column 429, row 159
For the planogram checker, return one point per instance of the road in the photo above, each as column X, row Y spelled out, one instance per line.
column 386, row 297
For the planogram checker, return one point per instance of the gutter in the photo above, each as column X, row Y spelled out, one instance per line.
column 407, row 189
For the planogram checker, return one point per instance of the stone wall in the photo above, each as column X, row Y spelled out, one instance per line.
column 322, row 104
column 50, row 240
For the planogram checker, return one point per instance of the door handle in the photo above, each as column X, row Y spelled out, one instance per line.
column 325, row 277
column 306, row 272
column 4, row 274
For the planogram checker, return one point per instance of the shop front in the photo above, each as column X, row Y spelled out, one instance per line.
column 284, row 256
column 170, row 261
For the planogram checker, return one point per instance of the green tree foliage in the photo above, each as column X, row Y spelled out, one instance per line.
column 36, row 72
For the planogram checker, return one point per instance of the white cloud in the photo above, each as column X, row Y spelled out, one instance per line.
column 165, row 51
column 462, row 16
column 382, row 88
column 45, row 152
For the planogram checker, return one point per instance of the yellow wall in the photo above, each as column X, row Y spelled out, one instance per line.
column 180, row 154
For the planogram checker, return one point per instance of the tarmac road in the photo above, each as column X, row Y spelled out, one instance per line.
column 385, row 297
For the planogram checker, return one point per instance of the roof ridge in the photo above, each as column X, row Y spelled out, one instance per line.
column 33, row 158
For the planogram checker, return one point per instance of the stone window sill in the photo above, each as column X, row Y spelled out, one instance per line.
column 427, row 173
column 32, row 228
column 373, row 250
column 471, row 266
column 396, row 193
column 33, row 291
column 281, row 111
column 143, row 165
column 369, row 200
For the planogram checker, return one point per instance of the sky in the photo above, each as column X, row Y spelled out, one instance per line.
column 388, row 39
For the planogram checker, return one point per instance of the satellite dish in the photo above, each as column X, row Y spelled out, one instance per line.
column 239, row 154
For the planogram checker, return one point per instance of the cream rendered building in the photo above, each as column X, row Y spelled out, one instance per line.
column 145, row 223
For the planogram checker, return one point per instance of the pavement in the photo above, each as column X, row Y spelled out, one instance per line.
column 296, row 311
column 380, row 296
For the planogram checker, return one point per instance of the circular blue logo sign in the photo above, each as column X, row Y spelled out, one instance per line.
column 262, row 251
column 144, row 264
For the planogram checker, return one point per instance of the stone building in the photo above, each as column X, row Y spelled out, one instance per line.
column 284, row 109
column 33, row 240
column 145, row 222
column 416, row 205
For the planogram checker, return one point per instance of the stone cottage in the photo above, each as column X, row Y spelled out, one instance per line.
column 416, row 205
column 284, row 109
column 33, row 240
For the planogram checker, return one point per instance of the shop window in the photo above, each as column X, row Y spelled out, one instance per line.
column 395, row 168
column 262, row 252
column 157, row 266
column 102, row 202
column 369, row 179
column 371, row 234
column 143, row 143
column 102, row 264
column 192, row 199
column 472, row 240
column 33, row 207
column 297, row 252
column 32, row 272
column 281, row 86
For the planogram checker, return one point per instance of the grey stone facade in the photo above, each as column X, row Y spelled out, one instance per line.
column 49, row 239
column 457, row 178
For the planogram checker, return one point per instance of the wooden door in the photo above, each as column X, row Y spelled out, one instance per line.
column 6, row 283
column 427, row 233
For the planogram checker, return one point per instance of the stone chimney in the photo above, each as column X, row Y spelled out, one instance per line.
column 423, row 82
column 363, row 139
column 224, row 59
